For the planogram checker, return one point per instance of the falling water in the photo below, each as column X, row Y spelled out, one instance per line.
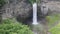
column 34, row 18
column 37, row 28
column 35, row 14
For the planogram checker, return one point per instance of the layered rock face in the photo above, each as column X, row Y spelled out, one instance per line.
column 52, row 5
column 53, row 0
column 15, row 7
column 23, row 11
column 49, row 8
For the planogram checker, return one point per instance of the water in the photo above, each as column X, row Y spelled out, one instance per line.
column 34, row 17
column 37, row 28
column 35, row 14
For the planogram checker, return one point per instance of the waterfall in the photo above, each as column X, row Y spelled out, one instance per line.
column 35, row 14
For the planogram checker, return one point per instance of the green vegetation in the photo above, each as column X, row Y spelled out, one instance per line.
column 54, row 23
column 56, row 29
column 2, row 2
column 53, row 19
column 33, row 1
column 10, row 26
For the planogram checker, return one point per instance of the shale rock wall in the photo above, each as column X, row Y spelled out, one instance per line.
column 14, row 8
column 23, row 11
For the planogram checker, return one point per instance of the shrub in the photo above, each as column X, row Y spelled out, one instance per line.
column 53, row 19
column 33, row 1
column 55, row 30
column 9, row 27
column 54, row 23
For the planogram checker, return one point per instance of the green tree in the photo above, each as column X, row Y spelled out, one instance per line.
column 11, row 26
column 32, row 1
column 2, row 2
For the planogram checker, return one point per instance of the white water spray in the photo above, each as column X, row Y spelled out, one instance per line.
column 35, row 14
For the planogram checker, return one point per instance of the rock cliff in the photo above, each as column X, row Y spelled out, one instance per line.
column 22, row 9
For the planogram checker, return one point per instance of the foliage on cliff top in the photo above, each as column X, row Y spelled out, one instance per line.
column 2, row 2
column 33, row 1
